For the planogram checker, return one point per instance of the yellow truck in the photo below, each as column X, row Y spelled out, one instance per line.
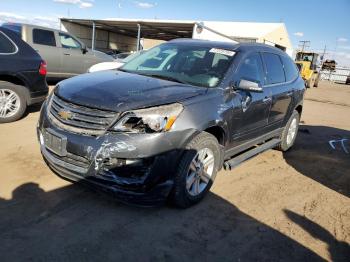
column 307, row 64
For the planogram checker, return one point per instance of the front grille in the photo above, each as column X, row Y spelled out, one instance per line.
column 82, row 119
column 70, row 161
column 74, row 160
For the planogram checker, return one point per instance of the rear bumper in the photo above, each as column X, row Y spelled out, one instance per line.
column 39, row 95
column 37, row 88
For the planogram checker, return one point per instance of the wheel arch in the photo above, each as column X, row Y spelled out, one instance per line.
column 299, row 109
column 16, row 80
column 219, row 132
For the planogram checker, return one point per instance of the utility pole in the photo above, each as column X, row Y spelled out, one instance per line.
column 304, row 45
column 323, row 54
column 324, row 50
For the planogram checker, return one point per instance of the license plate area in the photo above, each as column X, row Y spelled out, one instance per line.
column 55, row 142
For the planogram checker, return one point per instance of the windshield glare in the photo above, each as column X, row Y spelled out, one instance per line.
column 195, row 65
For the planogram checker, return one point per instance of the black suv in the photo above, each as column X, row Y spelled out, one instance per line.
column 163, row 125
column 22, row 76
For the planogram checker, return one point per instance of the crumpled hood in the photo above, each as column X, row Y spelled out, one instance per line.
column 119, row 91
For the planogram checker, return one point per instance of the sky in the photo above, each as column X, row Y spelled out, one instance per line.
column 322, row 22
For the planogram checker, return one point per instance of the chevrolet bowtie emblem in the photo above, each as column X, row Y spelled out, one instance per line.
column 66, row 115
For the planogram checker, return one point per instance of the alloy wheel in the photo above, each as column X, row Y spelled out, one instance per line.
column 292, row 131
column 9, row 103
column 200, row 172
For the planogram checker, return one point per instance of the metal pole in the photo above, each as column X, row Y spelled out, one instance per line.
column 138, row 37
column 93, row 35
column 214, row 31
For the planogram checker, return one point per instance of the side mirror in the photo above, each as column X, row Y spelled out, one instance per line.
column 84, row 49
column 249, row 86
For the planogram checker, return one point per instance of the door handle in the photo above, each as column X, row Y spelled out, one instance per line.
column 289, row 93
column 66, row 54
column 267, row 99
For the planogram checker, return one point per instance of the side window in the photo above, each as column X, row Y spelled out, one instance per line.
column 290, row 68
column 274, row 68
column 44, row 37
column 68, row 42
column 6, row 46
column 252, row 69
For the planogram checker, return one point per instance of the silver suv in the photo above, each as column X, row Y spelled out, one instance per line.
column 65, row 55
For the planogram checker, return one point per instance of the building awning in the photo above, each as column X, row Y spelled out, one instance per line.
column 153, row 29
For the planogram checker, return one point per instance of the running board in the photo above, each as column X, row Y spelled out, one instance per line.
column 235, row 161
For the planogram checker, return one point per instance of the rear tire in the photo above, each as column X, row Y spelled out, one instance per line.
column 290, row 132
column 13, row 103
column 197, row 170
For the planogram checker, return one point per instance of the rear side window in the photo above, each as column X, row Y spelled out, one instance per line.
column 6, row 45
column 251, row 68
column 44, row 37
column 290, row 68
column 274, row 68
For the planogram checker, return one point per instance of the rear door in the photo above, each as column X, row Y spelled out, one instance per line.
column 44, row 42
column 255, row 106
column 281, row 91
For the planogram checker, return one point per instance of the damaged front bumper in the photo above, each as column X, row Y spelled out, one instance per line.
column 136, row 168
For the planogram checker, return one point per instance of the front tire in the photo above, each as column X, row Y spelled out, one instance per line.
column 12, row 102
column 290, row 132
column 197, row 170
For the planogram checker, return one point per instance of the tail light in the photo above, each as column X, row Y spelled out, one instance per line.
column 43, row 68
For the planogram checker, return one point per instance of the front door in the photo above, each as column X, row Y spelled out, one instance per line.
column 72, row 55
column 253, row 107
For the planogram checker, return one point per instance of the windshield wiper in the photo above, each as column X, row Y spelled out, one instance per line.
column 123, row 70
column 173, row 79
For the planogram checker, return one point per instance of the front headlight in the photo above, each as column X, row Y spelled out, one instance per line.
column 154, row 119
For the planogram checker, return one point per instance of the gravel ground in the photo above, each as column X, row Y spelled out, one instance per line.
column 277, row 206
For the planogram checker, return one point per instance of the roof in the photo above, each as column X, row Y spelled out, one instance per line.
column 230, row 46
column 206, row 43
column 156, row 29
column 33, row 26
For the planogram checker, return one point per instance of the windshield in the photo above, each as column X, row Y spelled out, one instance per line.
column 132, row 56
column 195, row 65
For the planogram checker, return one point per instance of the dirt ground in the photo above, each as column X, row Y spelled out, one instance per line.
column 290, row 206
